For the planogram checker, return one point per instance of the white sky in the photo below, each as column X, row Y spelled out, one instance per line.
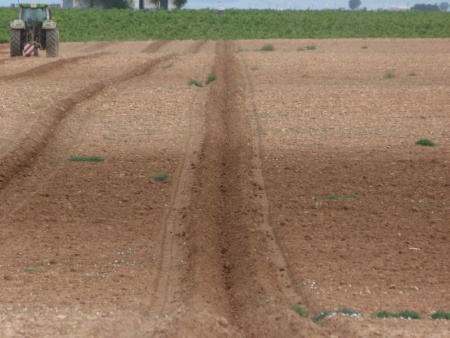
column 280, row 4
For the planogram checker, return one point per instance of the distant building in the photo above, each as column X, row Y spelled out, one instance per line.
column 399, row 8
column 164, row 4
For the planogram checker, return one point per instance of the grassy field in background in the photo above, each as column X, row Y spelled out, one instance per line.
column 108, row 25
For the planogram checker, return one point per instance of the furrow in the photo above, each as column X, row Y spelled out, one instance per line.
column 97, row 46
column 31, row 146
column 196, row 46
column 155, row 46
column 45, row 69
column 234, row 261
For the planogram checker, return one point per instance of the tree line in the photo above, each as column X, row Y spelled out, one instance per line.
column 443, row 6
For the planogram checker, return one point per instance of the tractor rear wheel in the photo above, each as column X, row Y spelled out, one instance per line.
column 52, row 44
column 16, row 47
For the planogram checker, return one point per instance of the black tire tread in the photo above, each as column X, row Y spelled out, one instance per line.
column 52, row 44
column 15, row 42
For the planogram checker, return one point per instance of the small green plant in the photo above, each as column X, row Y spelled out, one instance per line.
column 310, row 47
column 239, row 49
column 412, row 74
column 322, row 315
column 211, row 77
column 254, row 68
column 86, row 159
column 265, row 115
column 364, row 47
column 441, row 315
column 300, row 311
column 195, row 83
column 426, row 143
column 267, row 48
column 389, row 75
column 168, row 66
column 385, row 314
column 407, row 314
column 161, row 177
column 29, row 270
column 350, row 313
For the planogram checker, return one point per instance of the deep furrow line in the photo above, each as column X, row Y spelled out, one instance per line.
column 243, row 224
column 29, row 148
column 8, row 59
column 45, row 69
column 97, row 46
column 234, row 263
column 196, row 46
column 155, row 46
column 171, row 256
column 278, row 256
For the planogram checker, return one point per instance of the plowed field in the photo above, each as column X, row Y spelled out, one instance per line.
column 135, row 204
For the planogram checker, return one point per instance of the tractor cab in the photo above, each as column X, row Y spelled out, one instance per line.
column 34, row 13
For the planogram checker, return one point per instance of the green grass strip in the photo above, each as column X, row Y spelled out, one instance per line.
column 322, row 315
column 407, row 314
column 161, row 177
column 350, row 313
column 300, row 311
column 441, row 315
column 86, row 159
column 211, row 77
column 426, row 143
column 195, row 83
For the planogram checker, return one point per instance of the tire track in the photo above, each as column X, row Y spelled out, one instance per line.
column 46, row 68
column 234, row 263
column 196, row 46
column 155, row 46
column 168, row 281
column 97, row 46
column 278, row 257
column 8, row 59
column 29, row 148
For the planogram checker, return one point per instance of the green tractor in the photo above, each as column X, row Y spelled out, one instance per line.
column 34, row 30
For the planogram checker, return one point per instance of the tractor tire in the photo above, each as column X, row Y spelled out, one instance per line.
column 52, row 44
column 16, row 47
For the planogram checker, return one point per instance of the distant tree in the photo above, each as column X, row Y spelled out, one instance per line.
column 107, row 4
column 180, row 3
column 354, row 4
column 443, row 6
column 425, row 8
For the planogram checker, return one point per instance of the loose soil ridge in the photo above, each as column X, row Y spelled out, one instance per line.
column 230, row 281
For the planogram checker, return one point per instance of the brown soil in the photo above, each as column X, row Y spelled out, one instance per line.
column 294, row 179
